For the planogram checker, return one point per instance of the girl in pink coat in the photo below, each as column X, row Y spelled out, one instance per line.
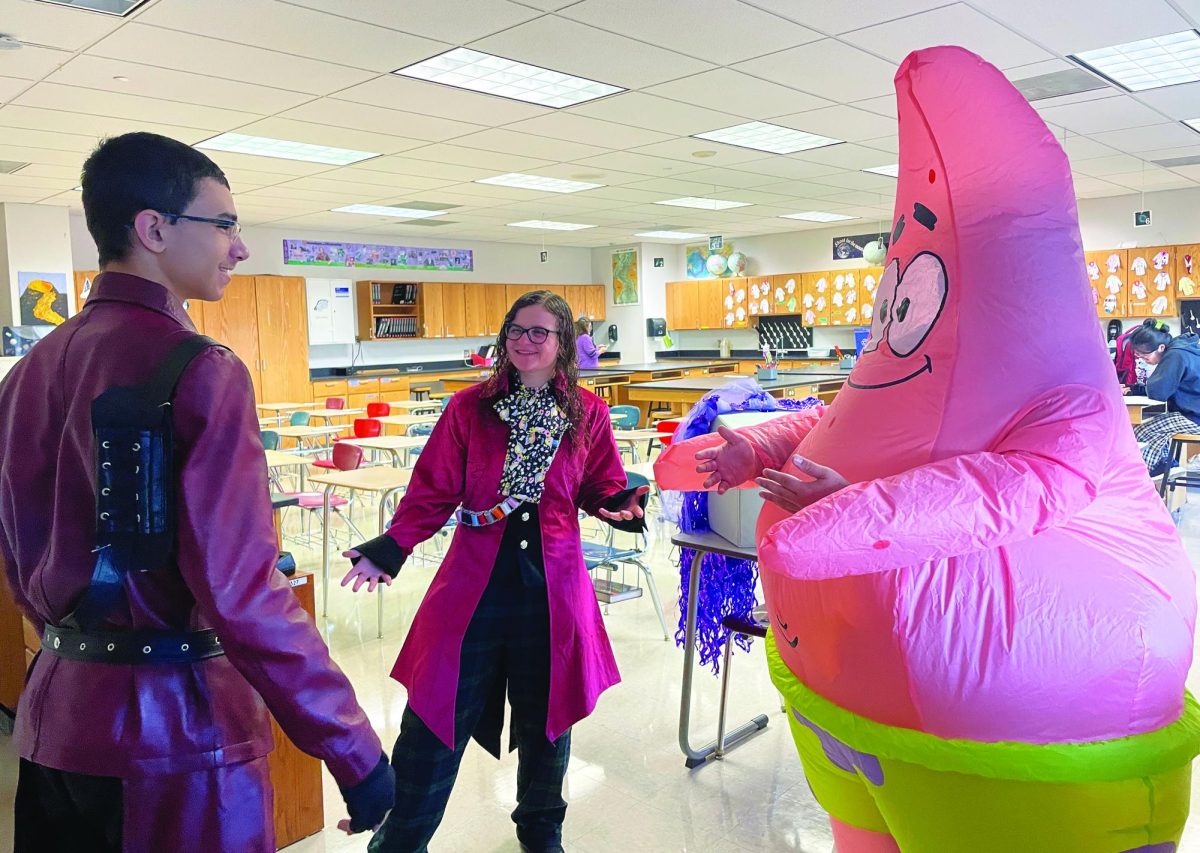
column 511, row 608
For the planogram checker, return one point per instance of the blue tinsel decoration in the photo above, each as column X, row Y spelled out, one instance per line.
column 726, row 585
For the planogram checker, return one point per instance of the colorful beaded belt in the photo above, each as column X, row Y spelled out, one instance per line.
column 488, row 516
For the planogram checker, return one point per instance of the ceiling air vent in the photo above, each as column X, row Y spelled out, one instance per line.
column 7, row 167
column 1173, row 162
column 1069, row 82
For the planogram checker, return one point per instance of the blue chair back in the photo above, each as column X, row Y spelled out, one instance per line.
column 629, row 417
column 298, row 419
column 445, row 403
column 633, row 480
column 270, row 439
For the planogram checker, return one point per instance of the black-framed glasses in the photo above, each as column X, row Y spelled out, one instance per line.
column 231, row 227
column 537, row 334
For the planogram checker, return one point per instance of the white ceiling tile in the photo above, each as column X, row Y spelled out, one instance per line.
column 24, row 154
column 31, row 63
column 332, row 183
column 46, row 139
column 23, row 194
column 1083, row 147
column 1036, row 69
column 1076, row 97
column 1165, row 153
column 74, row 99
column 255, row 177
column 739, row 93
column 844, row 15
column 416, row 180
column 324, row 134
column 956, row 24
column 339, row 113
column 1103, row 114
column 229, row 160
column 628, row 194
column 1191, row 172
column 93, row 72
column 884, row 106
column 1089, row 184
column 791, row 168
column 684, row 149
column 846, row 156
column 677, row 187
column 456, row 21
column 53, row 26
column 33, row 118
column 1098, row 167
column 742, row 178
column 212, row 57
column 1071, row 27
column 10, row 87
column 35, row 182
column 574, row 127
column 642, row 110
column 1138, row 139
column 801, row 189
column 46, row 170
column 641, row 164
column 422, row 97
column 841, row 122
column 744, row 31
column 1112, row 190
column 1153, row 178
column 296, row 30
column 827, row 68
column 1178, row 102
column 858, row 180
column 575, row 48
column 477, row 159
column 406, row 165
column 885, row 144
column 528, row 144
column 589, row 173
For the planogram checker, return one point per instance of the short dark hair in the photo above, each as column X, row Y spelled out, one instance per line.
column 134, row 172
column 1149, row 336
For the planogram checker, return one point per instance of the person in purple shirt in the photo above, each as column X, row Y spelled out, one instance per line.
column 589, row 353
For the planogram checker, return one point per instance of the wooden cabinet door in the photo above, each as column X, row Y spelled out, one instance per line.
column 738, row 302
column 1187, row 271
column 433, row 318
column 759, row 295
column 683, row 306
column 475, row 310
column 454, row 309
column 234, row 322
column 1108, row 276
column 1160, row 280
column 787, row 291
column 513, row 292
column 283, row 338
column 495, row 307
column 843, row 297
column 868, row 286
column 710, row 297
column 815, row 298
column 593, row 301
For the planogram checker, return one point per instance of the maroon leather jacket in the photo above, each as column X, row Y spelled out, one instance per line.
column 127, row 720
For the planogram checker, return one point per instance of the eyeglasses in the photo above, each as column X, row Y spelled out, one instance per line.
column 231, row 227
column 537, row 334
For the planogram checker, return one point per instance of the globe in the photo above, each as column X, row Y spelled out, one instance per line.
column 716, row 264
column 736, row 263
column 875, row 253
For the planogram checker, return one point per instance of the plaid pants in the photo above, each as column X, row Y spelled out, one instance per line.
column 507, row 642
column 1155, row 437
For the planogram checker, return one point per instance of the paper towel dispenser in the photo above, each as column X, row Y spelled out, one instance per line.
column 656, row 327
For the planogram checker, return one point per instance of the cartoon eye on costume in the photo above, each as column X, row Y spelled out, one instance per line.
column 920, row 296
column 882, row 316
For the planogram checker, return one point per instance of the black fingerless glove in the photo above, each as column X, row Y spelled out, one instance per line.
column 368, row 801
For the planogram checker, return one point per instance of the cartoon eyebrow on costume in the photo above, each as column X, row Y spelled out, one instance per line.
column 899, row 229
column 924, row 215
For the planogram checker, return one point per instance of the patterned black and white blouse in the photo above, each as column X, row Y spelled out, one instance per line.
column 536, row 426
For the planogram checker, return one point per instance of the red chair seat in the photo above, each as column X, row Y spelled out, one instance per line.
column 316, row 500
column 325, row 463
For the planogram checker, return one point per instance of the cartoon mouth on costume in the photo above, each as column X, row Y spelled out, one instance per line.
column 927, row 367
column 793, row 641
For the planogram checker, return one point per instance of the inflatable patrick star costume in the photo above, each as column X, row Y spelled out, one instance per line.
column 983, row 638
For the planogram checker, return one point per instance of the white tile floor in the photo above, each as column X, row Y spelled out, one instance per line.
column 627, row 785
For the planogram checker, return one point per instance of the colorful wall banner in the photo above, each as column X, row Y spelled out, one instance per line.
column 311, row 253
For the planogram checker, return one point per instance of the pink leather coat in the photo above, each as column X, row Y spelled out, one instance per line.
column 163, row 720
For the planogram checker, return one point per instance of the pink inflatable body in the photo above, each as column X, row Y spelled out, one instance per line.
column 1000, row 568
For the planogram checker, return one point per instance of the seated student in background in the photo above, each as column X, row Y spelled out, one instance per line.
column 1132, row 372
column 1175, row 380
column 589, row 353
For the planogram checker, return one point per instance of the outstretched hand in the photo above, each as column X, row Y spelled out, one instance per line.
column 364, row 571
column 729, row 465
column 631, row 509
column 794, row 494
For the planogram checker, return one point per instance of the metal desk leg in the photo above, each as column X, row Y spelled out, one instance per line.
column 696, row 757
column 379, row 590
column 325, row 551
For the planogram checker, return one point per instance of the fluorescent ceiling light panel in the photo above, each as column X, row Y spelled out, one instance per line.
column 537, row 182
column 1147, row 64
column 704, row 203
column 385, row 210
column 768, row 137
column 120, row 8
column 818, row 216
column 464, row 68
column 283, row 149
column 891, row 171
column 669, row 235
column 549, row 225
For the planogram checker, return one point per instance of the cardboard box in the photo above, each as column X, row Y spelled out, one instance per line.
column 734, row 514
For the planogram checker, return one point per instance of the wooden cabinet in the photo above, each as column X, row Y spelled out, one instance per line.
column 393, row 388
column 433, row 317
column 454, row 309
column 815, row 298
column 593, row 301
column 868, row 288
column 683, row 305
column 843, row 297
column 760, row 295
column 1151, row 282
column 234, row 322
column 388, row 310
column 323, row 389
column 1187, row 271
column 513, row 292
column 786, row 294
column 496, row 305
column 735, row 303
column 1107, row 275
column 711, row 300
column 282, row 337
column 475, row 310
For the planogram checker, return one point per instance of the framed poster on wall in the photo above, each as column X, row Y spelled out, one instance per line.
column 625, row 277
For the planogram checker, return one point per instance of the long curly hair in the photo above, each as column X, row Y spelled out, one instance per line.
column 565, row 384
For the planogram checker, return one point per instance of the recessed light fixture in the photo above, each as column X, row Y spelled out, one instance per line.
column 669, row 235
column 772, row 138
column 121, row 78
column 891, row 171
column 464, row 68
column 817, row 216
column 704, row 154
column 537, row 182
column 283, row 149
column 120, row 8
column 549, row 225
column 1149, row 63
column 386, row 210
column 8, row 42
column 1056, row 84
column 704, row 203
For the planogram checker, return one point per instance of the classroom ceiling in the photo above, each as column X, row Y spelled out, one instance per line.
column 319, row 71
